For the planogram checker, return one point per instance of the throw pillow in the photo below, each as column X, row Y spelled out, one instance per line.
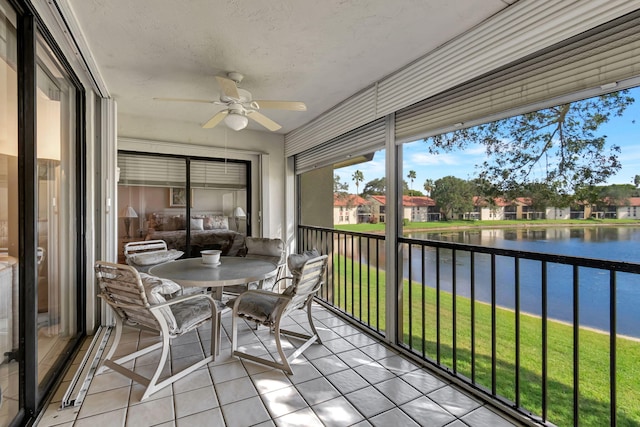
column 196, row 224
column 297, row 261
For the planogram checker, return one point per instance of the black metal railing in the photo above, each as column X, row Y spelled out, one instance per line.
column 355, row 277
column 554, row 337
column 517, row 325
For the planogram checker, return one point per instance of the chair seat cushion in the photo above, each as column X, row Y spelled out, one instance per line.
column 157, row 287
column 152, row 258
column 191, row 313
column 258, row 308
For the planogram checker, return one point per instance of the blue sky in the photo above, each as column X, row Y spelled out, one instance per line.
column 619, row 131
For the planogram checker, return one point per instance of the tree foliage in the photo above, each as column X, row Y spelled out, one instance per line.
column 338, row 186
column 558, row 147
column 357, row 178
column 375, row 187
column 453, row 195
column 428, row 186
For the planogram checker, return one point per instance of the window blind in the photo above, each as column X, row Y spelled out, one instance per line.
column 600, row 58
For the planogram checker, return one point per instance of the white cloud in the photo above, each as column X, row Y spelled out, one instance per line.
column 426, row 159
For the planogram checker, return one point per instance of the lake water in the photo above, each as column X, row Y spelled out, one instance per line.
column 610, row 243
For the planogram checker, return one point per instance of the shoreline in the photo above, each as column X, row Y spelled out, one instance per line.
column 524, row 225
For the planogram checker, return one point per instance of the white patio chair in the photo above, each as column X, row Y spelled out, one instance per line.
column 271, row 308
column 145, row 254
column 138, row 301
column 266, row 249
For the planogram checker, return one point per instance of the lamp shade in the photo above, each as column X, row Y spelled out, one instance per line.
column 236, row 121
column 239, row 213
column 128, row 212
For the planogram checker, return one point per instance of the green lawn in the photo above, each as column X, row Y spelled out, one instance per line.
column 412, row 226
column 367, row 296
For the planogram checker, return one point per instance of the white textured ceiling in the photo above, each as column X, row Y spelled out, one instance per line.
column 316, row 51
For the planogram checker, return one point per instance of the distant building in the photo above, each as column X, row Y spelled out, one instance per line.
column 414, row 208
column 347, row 209
column 630, row 210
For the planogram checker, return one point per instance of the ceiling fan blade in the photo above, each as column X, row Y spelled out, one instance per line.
column 228, row 87
column 217, row 118
column 204, row 101
column 263, row 120
column 283, row 105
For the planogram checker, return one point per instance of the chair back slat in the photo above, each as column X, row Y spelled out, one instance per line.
column 144, row 246
column 122, row 289
column 310, row 281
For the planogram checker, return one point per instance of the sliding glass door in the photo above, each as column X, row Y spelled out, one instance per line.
column 9, row 241
column 57, row 287
column 190, row 203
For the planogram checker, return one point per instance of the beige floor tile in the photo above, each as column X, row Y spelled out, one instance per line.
column 228, row 371
column 105, row 401
column 398, row 391
column 270, row 380
column 235, row 390
column 304, row 417
column 194, row 401
column 106, row 419
column 283, row 401
column 454, row 400
column 137, row 390
column 393, row 417
column 245, row 412
column 483, row 416
column 212, row 417
column 150, row 413
column 347, row 381
column 317, row 391
column 198, row 379
column 369, row 401
column 338, row 412
column 427, row 413
column 108, row 381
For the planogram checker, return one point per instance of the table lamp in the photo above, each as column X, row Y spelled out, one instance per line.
column 237, row 214
column 128, row 213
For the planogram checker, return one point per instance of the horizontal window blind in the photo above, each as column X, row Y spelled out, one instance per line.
column 364, row 140
column 599, row 57
column 519, row 30
column 157, row 171
column 218, row 175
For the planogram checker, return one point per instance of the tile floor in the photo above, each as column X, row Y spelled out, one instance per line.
column 351, row 379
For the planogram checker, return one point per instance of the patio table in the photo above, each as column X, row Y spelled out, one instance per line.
column 230, row 271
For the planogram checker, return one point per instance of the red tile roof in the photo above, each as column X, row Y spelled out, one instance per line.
column 348, row 199
column 409, row 201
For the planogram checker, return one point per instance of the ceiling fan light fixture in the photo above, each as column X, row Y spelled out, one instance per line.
column 236, row 121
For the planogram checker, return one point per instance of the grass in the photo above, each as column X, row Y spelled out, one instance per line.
column 415, row 226
column 367, row 297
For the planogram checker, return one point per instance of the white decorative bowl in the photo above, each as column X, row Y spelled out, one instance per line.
column 211, row 256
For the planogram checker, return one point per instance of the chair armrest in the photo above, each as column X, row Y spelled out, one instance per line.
column 278, row 281
column 178, row 299
column 262, row 292
column 164, row 304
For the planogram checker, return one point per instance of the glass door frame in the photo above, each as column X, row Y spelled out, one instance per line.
column 32, row 393
column 188, row 159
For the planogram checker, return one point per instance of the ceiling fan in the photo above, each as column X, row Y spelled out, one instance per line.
column 240, row 107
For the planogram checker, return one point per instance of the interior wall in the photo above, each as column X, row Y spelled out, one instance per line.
column 189, row 138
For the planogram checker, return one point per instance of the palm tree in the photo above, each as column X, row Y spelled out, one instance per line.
column 428, row 186
column 357, row 177
column 411, row 176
